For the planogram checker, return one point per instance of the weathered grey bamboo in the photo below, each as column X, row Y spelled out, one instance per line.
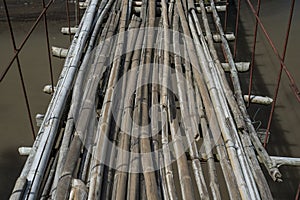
column 108, row 121
column 270, row 166
column 189, row 125
column 21, row 181
column 228, row 92
column 217, row 104
column 74, row 109
column 193, row 58
column 58, row 101
column 104, row 123
column 50, row 177
column 286, row 161
column 133, row 176
column 234, row 107
column 214, row 185
column 131, row 38
column 213, row 82
column 164, row 103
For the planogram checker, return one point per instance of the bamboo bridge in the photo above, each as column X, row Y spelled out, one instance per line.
column 147, row 106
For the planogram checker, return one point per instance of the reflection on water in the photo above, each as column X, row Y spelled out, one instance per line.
column 15, row 129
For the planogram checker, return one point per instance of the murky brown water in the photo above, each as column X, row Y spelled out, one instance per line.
column 14, row 124
column 285, row 135
column 15, row 131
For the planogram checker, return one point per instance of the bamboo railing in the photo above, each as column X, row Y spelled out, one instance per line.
column 143, row 110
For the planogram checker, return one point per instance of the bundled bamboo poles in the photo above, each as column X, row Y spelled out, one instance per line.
column 123, row 135
column 38, row 159
column 270, row 166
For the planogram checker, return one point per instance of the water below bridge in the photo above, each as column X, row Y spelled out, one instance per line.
column 15, row 131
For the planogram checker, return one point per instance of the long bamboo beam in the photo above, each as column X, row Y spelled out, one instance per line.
column 150, row 113
column 270, row 166
column 54, row 113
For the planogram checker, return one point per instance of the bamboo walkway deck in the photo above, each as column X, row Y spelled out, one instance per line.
column 143, row 110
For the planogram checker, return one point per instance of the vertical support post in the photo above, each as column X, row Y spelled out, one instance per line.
column 19, row 70
column 77, row 12
column 280, row 72
column 253, row 52
column 48, row 45
column 236, row 28
column 298, row 193
column 68, row 18
column 18, row 50
column 226, row 16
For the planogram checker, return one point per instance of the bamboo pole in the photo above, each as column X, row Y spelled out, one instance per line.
column 164, row 103
column 122, row 166
column 182, row 163
column 156, row 142
column 189, row 124
column 124, row 137
column 217, row 103
column 286, row 161
column 84, row 117
column 163, row 179
column 50, row 177
column 237, row 114
column 270, row 166
column 121, row 93
column 75, row 109
column 106, row 115
column 133, row 176
column 58, row 102
column 142, row 106
column 133, row 189
column 230, row 144
column 227, row 91
column 19, row 188
column 214, row 185
column 212, row 80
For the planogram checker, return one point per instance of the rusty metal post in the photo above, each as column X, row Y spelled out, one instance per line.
column 18, row 50
column 280, row 71
column 236, row 28
column 253, row 51
column 226, row 16
column 19, row 69
column 48, row 45
column 68, row 18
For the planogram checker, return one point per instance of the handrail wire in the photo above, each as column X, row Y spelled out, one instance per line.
column 68, row 18
column 48, row 46
column 226, row 16
column 19, row 69
column 287, row 72
column 253, row 52
column 18, row 50
column 237, row 28
column 280, row 71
